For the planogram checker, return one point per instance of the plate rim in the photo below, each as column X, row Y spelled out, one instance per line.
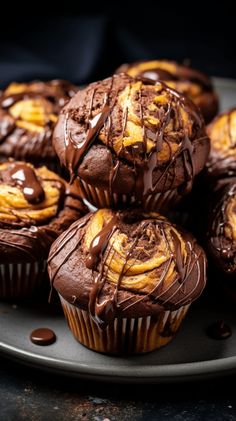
column 143, row 373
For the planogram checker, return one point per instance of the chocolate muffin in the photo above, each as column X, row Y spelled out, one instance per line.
column 196, row 85
column 126, row 279
column 222, row 133
column 131, row 142
column 36, row 206
column 28, row 114
column 222, row 225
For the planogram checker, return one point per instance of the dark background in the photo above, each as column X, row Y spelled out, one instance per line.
column 91, row 41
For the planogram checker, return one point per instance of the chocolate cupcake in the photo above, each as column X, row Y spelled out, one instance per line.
column 36, row 206
column 131, row 142
column 28, row 114
column 222, row 226
column 222, row 133
column 126, row 279
column 196, row 85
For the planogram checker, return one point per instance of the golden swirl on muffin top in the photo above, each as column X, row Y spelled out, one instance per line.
column 16, row 203
column 32, row 114
column 137, row 262
column 159, row 111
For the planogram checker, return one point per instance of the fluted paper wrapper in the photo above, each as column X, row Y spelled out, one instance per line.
column 123, row 336
column 105, row 199
column 20, row 280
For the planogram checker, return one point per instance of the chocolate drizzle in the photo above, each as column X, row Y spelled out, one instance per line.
column 99, row 244
column 145, row 164
column 190, row 270
column 23, row 176
column 74, row 150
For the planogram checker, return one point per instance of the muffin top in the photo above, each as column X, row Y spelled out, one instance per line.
column 196, row 85
column 36, row 205
column 127, row 264
column 222, row 225
column 28, row 113
column 131, row 136
column 222, row 133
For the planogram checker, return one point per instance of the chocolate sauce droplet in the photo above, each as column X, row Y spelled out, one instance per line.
column 219, row 330
column 23, row 176
column 43, row 336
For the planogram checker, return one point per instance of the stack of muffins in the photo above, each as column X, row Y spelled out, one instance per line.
column 36, row 204
column 132, row 144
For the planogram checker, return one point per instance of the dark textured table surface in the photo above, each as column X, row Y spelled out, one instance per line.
column 27, row 394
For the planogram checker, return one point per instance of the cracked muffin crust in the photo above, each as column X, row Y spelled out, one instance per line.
column 196, row 85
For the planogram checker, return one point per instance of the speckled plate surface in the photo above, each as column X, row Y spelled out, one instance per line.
column 191, row 355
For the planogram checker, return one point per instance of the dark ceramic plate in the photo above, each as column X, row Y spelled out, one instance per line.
column 191, row 355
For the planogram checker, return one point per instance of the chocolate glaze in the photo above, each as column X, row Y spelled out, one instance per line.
column 23, row 176
column 23, row 144
column 106, row 301
column 43, row 336
column 146, row 174
column 219, row 330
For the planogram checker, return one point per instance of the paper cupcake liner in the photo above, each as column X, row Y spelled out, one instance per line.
column 104, row 199
column 123, row 336
column 20, row 280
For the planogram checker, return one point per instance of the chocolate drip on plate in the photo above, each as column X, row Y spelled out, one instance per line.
column 43, row 336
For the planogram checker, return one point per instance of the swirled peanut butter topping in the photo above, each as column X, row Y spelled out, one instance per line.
column 139, row 258
column 158, row 112
column 27, row 194
column 222, row 132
